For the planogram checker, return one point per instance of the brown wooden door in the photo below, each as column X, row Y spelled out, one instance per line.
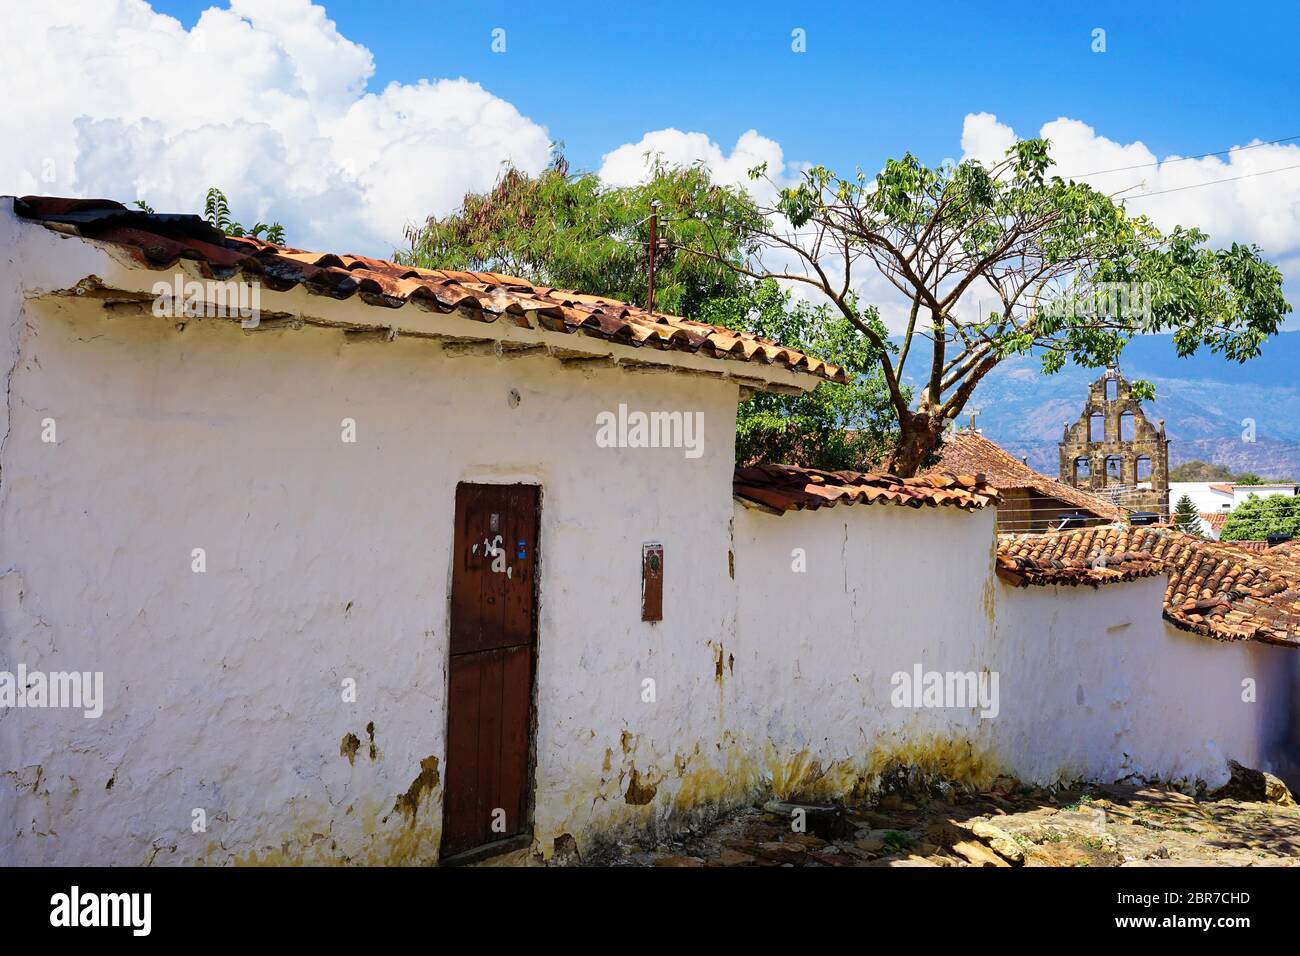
column 490, row 680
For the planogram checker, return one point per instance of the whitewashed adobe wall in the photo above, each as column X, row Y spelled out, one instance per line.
column 1203, row 496
column 1092, row 684
column 885, row 587
column 1099, row 687
column 328, row 561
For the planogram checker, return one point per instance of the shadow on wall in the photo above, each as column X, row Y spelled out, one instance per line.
column 1288, row 747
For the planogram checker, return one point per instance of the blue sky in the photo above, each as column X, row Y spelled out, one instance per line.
column 348, row 121
column 877, row 78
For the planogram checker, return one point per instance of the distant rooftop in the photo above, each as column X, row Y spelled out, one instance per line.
column 968, row 452
column 1215, row 589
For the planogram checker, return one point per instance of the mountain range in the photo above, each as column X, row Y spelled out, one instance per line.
column 1207, row 404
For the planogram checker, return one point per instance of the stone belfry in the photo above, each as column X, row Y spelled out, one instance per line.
column 1113, row 451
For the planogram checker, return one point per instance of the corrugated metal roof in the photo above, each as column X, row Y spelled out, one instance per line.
column 782, row 488
column 1214, row 589
column 158, row 241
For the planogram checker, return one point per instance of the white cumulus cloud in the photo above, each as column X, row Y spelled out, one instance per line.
column 1259, row 209
column 630, row 163
column 1255, row 196
column 264, row 98
column 1241, row 206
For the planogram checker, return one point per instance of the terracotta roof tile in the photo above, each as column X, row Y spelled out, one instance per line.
column 781, row 488
column 1257, row 546
column 1214, row 589
column 1287, row 549
column 160, row 240
column 1214, row 520
column 970, row 452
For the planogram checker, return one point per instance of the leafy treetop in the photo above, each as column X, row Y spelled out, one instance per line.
column 571, row 231
column 1070, row 274
column 1186, row 518
column 1256, row 518
column 836, row 426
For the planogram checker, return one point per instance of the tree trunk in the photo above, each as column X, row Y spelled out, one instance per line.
column 919, row 435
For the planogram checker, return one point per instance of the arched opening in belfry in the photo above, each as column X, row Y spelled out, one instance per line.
column 1096, row 427
column 1127, row 426
column 1114, row 469
column 1112, row 389
column 1144, row 470
column 1082, row 472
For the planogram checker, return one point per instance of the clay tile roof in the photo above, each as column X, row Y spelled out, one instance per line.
column 1214, row 520
column 158, row 241
column 1256, row 546
column 1214, row 589
column 782, row 488
column 967, row 452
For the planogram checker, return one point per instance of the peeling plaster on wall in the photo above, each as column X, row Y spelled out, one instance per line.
column 223, row 688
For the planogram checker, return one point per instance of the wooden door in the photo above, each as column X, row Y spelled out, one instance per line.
column 490, row 679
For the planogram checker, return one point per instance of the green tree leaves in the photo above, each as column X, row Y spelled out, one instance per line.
column 1185, row 517
column 836, row 426
column 1073, row 277
column 571, row 232
column 1256, row 518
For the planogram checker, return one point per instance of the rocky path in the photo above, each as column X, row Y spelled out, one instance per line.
column 1008, row 826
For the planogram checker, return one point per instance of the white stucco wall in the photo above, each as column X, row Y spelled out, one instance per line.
column 1242, row 493
column 1093, row 684
column 327, row 561
column 1202, row 494
column 884, row 588
column 1207, row 499
column 1098, row 686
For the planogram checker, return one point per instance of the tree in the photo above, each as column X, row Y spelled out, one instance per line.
column 1256, row 518
column 1197, row 470
column 573, row 232
column 1186, row 517
column 1073, row 276
column 216, row 210
column 833, row 427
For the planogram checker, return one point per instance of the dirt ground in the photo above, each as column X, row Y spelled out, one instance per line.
column 1009, row 826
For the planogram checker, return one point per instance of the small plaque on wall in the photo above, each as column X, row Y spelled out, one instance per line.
column 652, row 581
